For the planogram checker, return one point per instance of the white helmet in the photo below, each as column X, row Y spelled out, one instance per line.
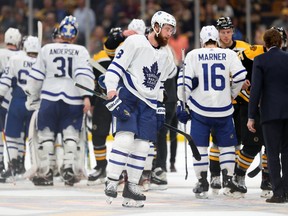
column 209, row 33
column 138, row 26
column 31, row 45
column 12, row 36
column 161, row 17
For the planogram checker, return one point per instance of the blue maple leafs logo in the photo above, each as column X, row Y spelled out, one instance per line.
column 151, row 76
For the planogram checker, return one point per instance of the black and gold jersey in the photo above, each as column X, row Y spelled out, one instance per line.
column 247, row 57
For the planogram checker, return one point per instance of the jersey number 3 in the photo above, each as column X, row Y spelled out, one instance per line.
column 217, row 80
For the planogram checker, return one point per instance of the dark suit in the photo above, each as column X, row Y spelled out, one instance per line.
column 269, row 89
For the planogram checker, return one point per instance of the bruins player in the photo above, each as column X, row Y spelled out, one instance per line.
column 252, row 142
column 226, row 30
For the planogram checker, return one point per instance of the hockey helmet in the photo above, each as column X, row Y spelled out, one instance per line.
column 68, row 27
column 209, row 33
column 283, row 34
column 161, row 17
column 12, row 36
column 224, row 23
column 31, row 45
column 138, row 26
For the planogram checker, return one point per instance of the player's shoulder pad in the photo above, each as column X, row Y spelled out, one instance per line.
column 253, row 51
column 100, row 55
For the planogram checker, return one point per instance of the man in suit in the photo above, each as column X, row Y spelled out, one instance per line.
column 269, row 90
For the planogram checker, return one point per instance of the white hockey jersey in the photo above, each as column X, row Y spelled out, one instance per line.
column 5, row 55
column 220, row 74
column 16, row 73
column 58, row 67
column 142, row 68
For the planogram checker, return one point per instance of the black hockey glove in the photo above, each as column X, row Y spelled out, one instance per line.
column 118, row 108
column 160, row 114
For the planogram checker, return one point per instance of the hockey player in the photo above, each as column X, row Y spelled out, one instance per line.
column 101, row 116
column 226, row 30
column 58, row 67
column 134, row 81
column 252, row 142
column 211, row 105
column 18, row 117
column 12, row 40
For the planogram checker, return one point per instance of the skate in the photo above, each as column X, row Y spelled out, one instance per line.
column 8, row 176
column 240, row 180
column 202, row 187
column 215, row 184
column 133, row 196
column 144, row 181
column 2, row 166
column 97, row 177
column 231, row 188
column 20, row 169
column 111, row 190
column 69, row 177
column 266, row 187
column 43, row 181
column 122, row 180
column 158, row 179
column 172, row 167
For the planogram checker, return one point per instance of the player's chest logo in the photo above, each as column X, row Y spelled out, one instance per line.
column 151, row 76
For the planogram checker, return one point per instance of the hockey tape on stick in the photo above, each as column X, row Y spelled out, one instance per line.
column 97, row 94
column 97, row 66
column 255, row 172
column 192, row 144
column 40, row 32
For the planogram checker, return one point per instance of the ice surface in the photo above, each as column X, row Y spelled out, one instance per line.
column 178, row 200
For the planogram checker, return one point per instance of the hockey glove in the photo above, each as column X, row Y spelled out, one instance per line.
column 101, row 81
column 195, row 82
column 32, row 103
column 117, row 108
column 183, row 113
column 160, row 114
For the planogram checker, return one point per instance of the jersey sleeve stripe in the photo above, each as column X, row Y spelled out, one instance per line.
column 38, row 79
column 84, row 74
column 33, row 69
column 240, row 72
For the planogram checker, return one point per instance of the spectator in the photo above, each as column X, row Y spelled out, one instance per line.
column 222, row 9
column 87, row 18
column 282, row 20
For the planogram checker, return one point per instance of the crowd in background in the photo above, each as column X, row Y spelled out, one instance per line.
column 106, row 14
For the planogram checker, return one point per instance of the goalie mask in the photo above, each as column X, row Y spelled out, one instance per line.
column 68, row 27
column 162, row 18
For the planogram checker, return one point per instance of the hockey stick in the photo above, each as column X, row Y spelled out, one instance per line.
column 184, row 101
column 194, row 149
column 255, row 172
column 103, row 96
column 40, row 32
column 96, row 65
column 8, row 155
column 192, row 144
